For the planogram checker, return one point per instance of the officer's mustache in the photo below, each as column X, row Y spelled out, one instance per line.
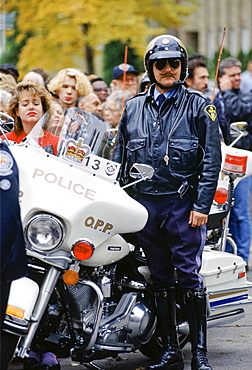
column 168, row 74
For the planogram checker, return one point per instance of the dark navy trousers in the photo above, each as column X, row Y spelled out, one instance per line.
column 169, row 242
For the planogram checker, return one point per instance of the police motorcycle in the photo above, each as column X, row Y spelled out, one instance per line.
column 89, row 291
column 233, row 170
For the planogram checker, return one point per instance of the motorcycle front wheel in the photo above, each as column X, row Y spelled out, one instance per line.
column 154, row 347
column 8, row 345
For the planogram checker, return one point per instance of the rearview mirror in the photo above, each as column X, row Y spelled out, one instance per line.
column 237, row 127
column 141, row 171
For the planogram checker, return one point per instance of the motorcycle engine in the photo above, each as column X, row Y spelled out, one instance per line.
column 132, row 322
column 129, row 321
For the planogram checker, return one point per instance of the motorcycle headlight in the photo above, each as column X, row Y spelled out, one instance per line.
column 44, row 232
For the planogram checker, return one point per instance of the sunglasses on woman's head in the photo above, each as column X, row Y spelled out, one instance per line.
column 174, row 63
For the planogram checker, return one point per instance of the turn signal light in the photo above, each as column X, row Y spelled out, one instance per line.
column 70, row 277
column 221, row 195
column 83, row 250
column 241, row 275
column 15, row 311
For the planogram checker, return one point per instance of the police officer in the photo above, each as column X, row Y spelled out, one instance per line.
column 13, row 258
column 175, row 130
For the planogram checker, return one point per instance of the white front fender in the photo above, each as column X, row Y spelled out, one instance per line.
column 22, row 298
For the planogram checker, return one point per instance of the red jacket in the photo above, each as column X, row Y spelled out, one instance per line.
column 44, row 141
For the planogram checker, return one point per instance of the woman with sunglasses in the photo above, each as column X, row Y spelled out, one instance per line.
column 174, row 130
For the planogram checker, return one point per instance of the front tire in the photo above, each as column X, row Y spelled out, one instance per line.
column 8, row 345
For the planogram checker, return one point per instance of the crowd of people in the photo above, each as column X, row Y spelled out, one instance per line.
column 165, row 118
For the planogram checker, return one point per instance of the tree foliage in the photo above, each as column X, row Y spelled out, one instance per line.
column 59, row 30
column 114, row 55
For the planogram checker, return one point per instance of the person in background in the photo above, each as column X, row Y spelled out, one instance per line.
column 198, row 80
column 114, row 106
column 100, row 88
column 5, row 98
column 56, row 118
column 131, row 79
column 34, row 77
column 70, row 84
column 246, row 79
column 27, row 106
column 113, row 109
column 42, row 72
column 13, row 259
column 197, row 73
column 237, row 106
column 157, row 128
column 144, row 83
column 7, row 83
column 90, row 103
column 10, row 69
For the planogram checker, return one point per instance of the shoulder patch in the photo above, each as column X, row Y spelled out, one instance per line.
column 211, row 111
column 6, row 163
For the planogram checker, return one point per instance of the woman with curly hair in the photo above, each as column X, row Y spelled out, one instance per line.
column 70, row 84
column 27, row 106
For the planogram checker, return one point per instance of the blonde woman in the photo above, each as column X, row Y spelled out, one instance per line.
column 70, row 84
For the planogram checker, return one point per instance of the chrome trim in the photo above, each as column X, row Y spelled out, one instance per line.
column 63, row 261
column 51, row 218
column 44, row 296
column 85, row 240
column 14, row 328
column 127, row 348
column 97, row 319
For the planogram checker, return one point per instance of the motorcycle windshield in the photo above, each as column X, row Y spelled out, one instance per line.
column 78, row 125
column 83, row 140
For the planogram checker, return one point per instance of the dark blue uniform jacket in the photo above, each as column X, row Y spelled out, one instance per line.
column 237, row 106
column 13, row 257
column 186, row 129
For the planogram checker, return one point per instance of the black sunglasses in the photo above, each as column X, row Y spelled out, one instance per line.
column 97, row 89
column 174, row 63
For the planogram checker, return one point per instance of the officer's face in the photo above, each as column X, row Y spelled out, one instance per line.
column 166, row 76
column 30, row 108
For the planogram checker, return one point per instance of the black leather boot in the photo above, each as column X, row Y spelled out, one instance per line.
column 171, row 358
column 195, row 302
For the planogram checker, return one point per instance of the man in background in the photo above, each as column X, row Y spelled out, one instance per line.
column 197, row 73
column 90, row 103
column 246, row 78
column 131, row 79
column 100, row 88
column 237, row 106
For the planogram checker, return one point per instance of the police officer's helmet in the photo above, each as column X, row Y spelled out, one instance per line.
column 143, row 82
column 165, row 46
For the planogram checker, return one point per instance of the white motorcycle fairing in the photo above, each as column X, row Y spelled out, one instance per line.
column 47, row 181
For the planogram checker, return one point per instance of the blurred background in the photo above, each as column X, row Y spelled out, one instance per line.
column 91, row 34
